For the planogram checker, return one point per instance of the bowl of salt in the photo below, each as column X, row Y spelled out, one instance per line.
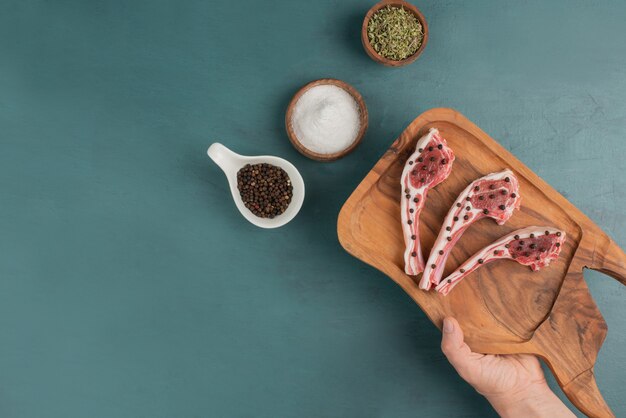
column 326, row 119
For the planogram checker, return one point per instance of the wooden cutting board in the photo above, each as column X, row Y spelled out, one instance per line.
column 503, row 308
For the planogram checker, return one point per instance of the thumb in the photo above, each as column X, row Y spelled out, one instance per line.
column 452, row 345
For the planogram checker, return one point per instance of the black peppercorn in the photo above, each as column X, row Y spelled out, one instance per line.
column 265, row 189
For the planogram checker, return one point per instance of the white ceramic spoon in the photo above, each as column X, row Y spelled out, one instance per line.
column 231, row 162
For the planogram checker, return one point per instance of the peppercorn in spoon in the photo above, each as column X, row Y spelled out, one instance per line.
column 267, row 190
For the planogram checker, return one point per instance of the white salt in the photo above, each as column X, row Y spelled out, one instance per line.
column 325, row 119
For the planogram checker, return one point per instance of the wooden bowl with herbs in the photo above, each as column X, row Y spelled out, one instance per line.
column 394, row 33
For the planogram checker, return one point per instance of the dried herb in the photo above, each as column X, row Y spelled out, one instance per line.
column 395, row 33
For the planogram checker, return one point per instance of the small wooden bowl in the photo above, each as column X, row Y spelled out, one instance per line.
column 363, row 118
column 366, row 42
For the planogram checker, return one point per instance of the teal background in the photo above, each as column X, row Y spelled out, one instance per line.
column 131, row 287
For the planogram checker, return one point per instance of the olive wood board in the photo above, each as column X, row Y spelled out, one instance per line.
column 504, row 307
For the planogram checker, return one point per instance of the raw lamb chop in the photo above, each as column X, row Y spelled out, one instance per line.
column 428, row 166
column 494, row 196
column 534, row 246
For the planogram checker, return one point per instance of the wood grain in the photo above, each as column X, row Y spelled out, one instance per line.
column 503, row 307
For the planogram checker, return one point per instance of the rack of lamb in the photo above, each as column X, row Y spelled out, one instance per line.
column 493, row 196
column 534, row 246
column 429, row 165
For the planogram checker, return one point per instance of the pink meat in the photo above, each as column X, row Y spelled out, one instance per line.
column 494, row 196
column 534, row 246
column 428, row 166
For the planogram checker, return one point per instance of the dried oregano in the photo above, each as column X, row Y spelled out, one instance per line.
column 395, row 33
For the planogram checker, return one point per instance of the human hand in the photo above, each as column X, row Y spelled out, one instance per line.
column 513, row 384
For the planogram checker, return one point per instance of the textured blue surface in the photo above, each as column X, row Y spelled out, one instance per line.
column 131, row 287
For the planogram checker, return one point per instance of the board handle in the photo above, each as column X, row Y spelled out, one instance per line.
column 569, row 341
column 584, row 393
column 609, row 259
